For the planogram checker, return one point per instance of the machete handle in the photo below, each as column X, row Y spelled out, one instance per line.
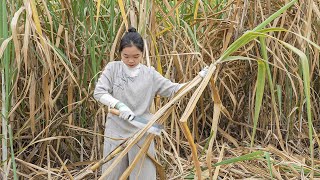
column 114, row 111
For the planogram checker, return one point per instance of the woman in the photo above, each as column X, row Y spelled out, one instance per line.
column 131, row 87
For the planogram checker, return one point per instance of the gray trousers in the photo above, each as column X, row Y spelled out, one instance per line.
column 144, row 169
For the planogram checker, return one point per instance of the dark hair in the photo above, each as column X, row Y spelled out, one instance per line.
column 131, row 38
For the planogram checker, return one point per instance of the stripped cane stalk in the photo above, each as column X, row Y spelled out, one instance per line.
column 191, row 105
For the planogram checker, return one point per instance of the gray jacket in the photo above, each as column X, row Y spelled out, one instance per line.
column 136, row 92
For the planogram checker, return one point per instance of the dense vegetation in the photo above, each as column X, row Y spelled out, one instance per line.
column 255, row 115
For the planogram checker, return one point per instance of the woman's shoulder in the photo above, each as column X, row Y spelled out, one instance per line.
column 113, row 64
column 147, row 68
column 150, row 70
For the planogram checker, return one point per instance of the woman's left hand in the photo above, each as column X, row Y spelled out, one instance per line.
column 204, row 72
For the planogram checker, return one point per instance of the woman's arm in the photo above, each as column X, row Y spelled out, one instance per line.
column 164, row 87
column 103, row 93
column 103, row 89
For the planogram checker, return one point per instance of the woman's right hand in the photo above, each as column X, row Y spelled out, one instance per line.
column 125, row 112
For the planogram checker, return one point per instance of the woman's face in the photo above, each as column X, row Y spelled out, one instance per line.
column 131, row 56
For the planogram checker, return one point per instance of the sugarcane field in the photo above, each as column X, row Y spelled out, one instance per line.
column 160, row 89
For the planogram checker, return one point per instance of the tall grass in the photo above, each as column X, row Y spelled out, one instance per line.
column 238, row 121
column 5, row 103
column 8, row 76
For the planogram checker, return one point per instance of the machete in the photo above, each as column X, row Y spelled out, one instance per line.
column 140, row 122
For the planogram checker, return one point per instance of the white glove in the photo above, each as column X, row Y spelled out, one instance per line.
column 204, row 72
column 125, row 112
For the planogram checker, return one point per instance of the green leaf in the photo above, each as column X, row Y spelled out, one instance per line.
column 250, row 156
column 259, row 95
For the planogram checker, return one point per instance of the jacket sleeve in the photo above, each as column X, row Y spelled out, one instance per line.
column 103, row 90
column 163, row 86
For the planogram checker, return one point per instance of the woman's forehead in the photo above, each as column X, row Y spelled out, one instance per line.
column 132, row 50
